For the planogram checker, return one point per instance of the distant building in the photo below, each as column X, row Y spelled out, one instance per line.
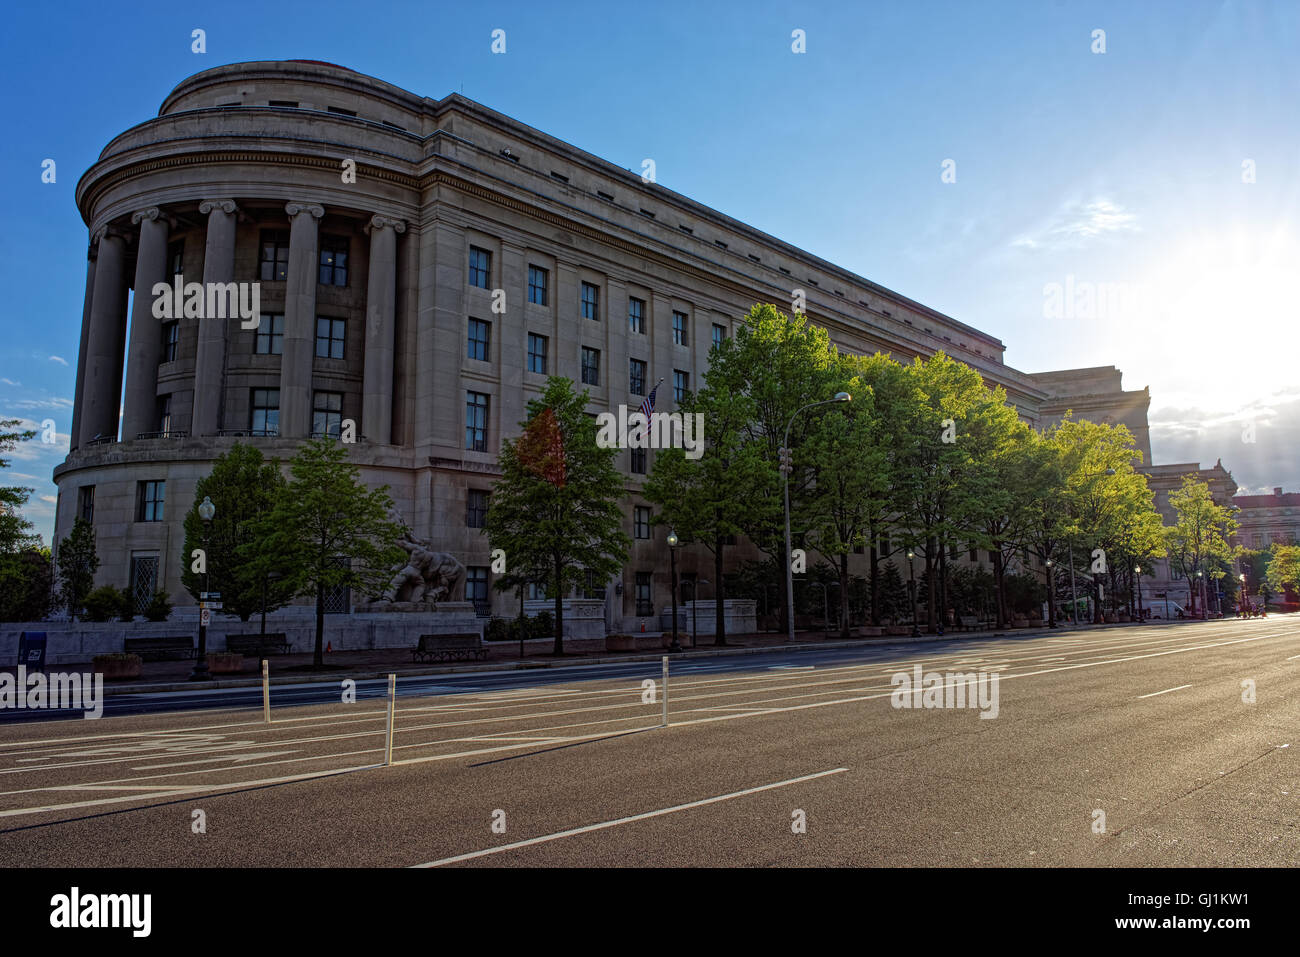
column 1266, row 520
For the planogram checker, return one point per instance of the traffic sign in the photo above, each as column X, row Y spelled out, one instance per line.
column 210, row 604
column 204, row 595
column 205, row 617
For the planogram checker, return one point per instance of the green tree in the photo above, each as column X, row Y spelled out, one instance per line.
column 699, row 498
column 240, row 562
column 78, row 561
column 16, row 533
column 555, row 510
column 1199, row 538
column 1283, row 570
column 26, row 585
column 334, row 529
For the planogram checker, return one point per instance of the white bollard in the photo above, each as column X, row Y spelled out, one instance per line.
column 266, row 691
column 392, row 714
column 665, row 698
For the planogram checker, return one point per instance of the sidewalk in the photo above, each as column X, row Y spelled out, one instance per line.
column 163, row 676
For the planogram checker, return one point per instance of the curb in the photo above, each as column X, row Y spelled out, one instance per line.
column 163, row 688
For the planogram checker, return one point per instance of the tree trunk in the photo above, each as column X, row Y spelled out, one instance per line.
column 559, row 608
column 719, row 615
column 844, row 595
column 875, row 585
column 943, row 588
column 999, row 597
column 318, row 658
column 929, row 586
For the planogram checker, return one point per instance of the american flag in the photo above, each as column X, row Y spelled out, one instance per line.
column 648, row 404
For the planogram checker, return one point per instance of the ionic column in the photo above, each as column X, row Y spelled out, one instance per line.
column 210, row 357
column 74, row 433
column 101, row 388
column 299, row 320
column 141, row 401
column 381, row 322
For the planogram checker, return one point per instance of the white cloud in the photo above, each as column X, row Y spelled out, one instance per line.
column 59, row 359
column 10, row 382
column 1076, row 223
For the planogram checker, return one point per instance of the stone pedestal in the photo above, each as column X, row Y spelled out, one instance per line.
column 740, row 615
column 583, row 617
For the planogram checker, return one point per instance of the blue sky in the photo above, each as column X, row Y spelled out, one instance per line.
column 1074, row 169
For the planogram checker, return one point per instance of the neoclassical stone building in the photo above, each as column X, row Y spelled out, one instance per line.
column 422, row 265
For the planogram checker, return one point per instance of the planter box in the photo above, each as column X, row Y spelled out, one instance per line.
column 898, row 630
column 620, row 643
column 871, row 631
column 225, row 663
column 115, row 668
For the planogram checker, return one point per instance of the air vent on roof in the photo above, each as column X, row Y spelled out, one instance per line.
column 646, row 212
column 888, row 313
column 509, row 155
column 946, row 339
column 784, row 270
column 340, row 111
column 755, row 258
column 604, row 195
column 719, row 242
column 236, row 103
column 838, row 293
column 393, row 126
column 292, row 103
column 560, row 176
column 812, row 280
column 686, row 229
column 863, row 302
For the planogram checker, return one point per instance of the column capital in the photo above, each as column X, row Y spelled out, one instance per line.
column 225, row 205
column 315, row 210
column 107, row 232
column 380, row 222
column 151, row 214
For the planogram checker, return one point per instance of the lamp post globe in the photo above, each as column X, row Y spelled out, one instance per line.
column 911, row 590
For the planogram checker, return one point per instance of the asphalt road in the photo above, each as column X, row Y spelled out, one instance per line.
column 1151, row 727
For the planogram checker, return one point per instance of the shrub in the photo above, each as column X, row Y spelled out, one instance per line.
column 159, row 607
column 105, row 602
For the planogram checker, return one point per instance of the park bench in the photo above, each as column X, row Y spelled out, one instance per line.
column 161, row 649
column 273, row 643
column 449, row 647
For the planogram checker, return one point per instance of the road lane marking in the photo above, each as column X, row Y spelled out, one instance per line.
column 627, row 820
column 1166, row 691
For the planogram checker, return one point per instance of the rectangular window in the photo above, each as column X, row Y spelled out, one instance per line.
column 338, row 598
column 476, row 506
column 175, row 258
column 274, row 260
column 681, row 385
column 144, row 581
column 590, row 366
column 536, row 353
column 594, row 587
column 719, row 334
column 636, row 315
column 269, row 339
column 327, row 415
column 480, row 267
column 165, row 414
column 636, row 376
column 171, row 332
column 638, row 461
column 641, row 522
column 86, row 503
column 265, row 406
column 590, row 301
column 149, row 501
column 537, row 283
column 883, row 543
column 973, row 554
column 333, row 261
column 952, row 552
column 476, row 419
column 329, row 338
column 479, row 340
column 679, row 328
column 645, row 594
column 476, row 589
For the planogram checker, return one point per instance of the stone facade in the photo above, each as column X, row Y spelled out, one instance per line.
column 387, row 231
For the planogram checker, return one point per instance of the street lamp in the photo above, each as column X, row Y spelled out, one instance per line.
column 1138, row 570
column 1051, row 595
column 911, row 588
column 674, row 645
column 206, row 511
column 1241, row 604
column 1200, row 580
column 786, row 468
